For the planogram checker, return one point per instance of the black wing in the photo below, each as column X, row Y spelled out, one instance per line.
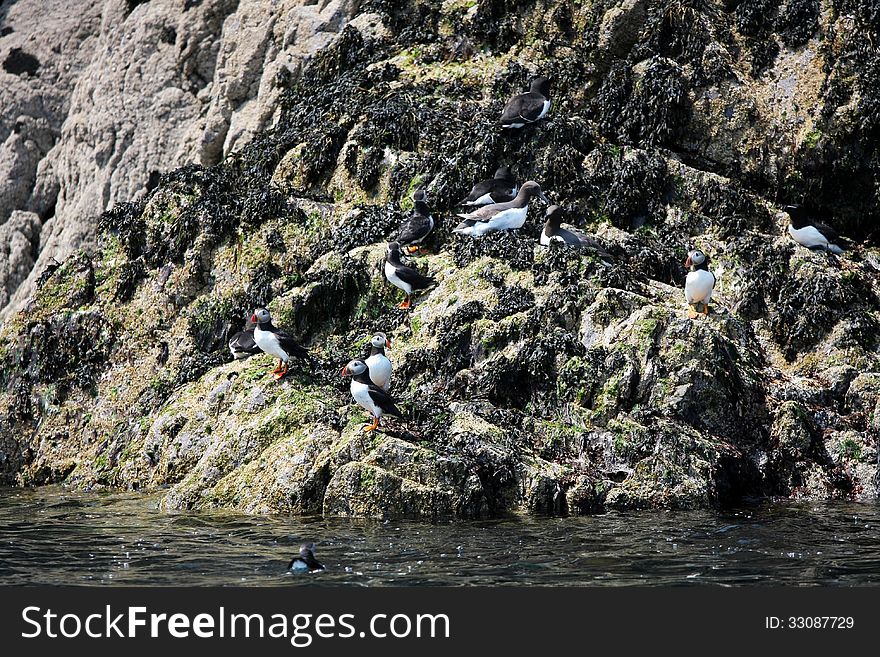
column 414, row 228
column 525, row 107
column 826, row 230
column 480, row 189
column 414, row 278
column 383, row 400
column 243, row 343
column 291, row 347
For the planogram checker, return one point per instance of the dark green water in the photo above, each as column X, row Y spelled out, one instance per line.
column 56, row 536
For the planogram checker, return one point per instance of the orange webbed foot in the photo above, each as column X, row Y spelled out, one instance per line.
column 371, row 427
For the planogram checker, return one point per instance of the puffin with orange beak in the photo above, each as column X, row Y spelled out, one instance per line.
column 378, row 362
column 406, row 278
column 276, row 342
column 699, row 284
column 368, row 395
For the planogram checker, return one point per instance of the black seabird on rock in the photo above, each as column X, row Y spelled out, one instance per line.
column 418, row 225
column 242, row 344
column 500, row 189
column 500, row 216
column 699, row 284
column 528, row 107
column 276, row 342
column 378, row 363
column 368, row 395
column 811, row 233
column 406, row 278
column 553, row 232
column 305, row 561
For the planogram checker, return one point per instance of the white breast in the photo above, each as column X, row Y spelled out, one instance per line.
column 361, row 394
column 380, row 370
column 509, row 219
column 485, row 199
column 391, row 275
column 544, row 111
column 698, row 286
column 808, row 236
column 267, row 341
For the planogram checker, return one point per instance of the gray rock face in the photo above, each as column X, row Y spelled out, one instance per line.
column 98, row 99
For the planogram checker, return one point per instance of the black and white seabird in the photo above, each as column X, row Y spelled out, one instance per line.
column 242, row 344
column 378, row 362
column 553, row 232
column 418, row 225
column 500, row 189
column 368, row 395
column 276, row 342
column 406, row 278
column 528, row 107
column 699, row 284
column 811, row 233
column 305, row 561
column 500, row 216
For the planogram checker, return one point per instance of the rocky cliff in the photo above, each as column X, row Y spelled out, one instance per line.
column 532, row 378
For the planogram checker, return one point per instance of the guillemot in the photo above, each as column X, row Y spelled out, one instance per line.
column 528, row 107
column 500, row 216
column 553, row 232
column 406, row 278
column 500, row 189
column 368, row 395
column 378, row 363
column 418, row 225
column 699, row 284
column 305, row 561
column 276, row 342
column 242, row 344
column 811, row 233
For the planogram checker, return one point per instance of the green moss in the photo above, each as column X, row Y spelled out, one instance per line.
column 849, row 449
column 812, row 138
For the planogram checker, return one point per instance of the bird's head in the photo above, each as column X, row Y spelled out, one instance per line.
column 504, row 173
column 261, row 316
column 695, row 259
column 354, row 368
column 554, row 215
column 531, row 189
column 540, row 85
column 380, row 340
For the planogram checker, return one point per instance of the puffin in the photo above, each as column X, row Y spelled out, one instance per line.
column 810, row 233
column 406, row 278
column 500, row 189
column 528, row 107
column 305, row 561
column 553, row 232
column 418, row 225
column 699, row 284
column 500, row 216
column 275, row 342
column 378, row 363
column 368, row 395
column 242, row 344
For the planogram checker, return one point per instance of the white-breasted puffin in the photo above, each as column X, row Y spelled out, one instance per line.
column 699, row 284
column 528, row 107
column 368, row 395
column 811, row 233
column 378, row 362
column 500, row 189
column 242, row 344
column 276, row 342
column 305, row 561
column 500, row 216
column 553, row 232
column 406, row 278
column 418, row 225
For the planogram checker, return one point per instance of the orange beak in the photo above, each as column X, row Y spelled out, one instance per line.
column 254, row 317
column 388, row 343
column 688, row 263
column 344, row 371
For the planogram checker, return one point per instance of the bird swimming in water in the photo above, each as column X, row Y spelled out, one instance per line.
column 499, row 189
column 276, row 342
column 528, row 107
column 305, row 561
column 810, row 233
column 500, row 216
column 378, row 363
column 368, row 395
column 553, row 232
column 699, row 284
column 418, row 225
column 406, row 278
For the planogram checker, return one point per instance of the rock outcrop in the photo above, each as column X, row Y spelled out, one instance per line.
column 545, row 380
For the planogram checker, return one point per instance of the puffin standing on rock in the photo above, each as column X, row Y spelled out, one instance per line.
column 500, row 216
column 276, row 342
column 406, row 278
column 810, row 233
column 500, row 189
column 418, row 225
column 368, row 395
column 699, row 284
column 378, row 363
column 528, row 107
